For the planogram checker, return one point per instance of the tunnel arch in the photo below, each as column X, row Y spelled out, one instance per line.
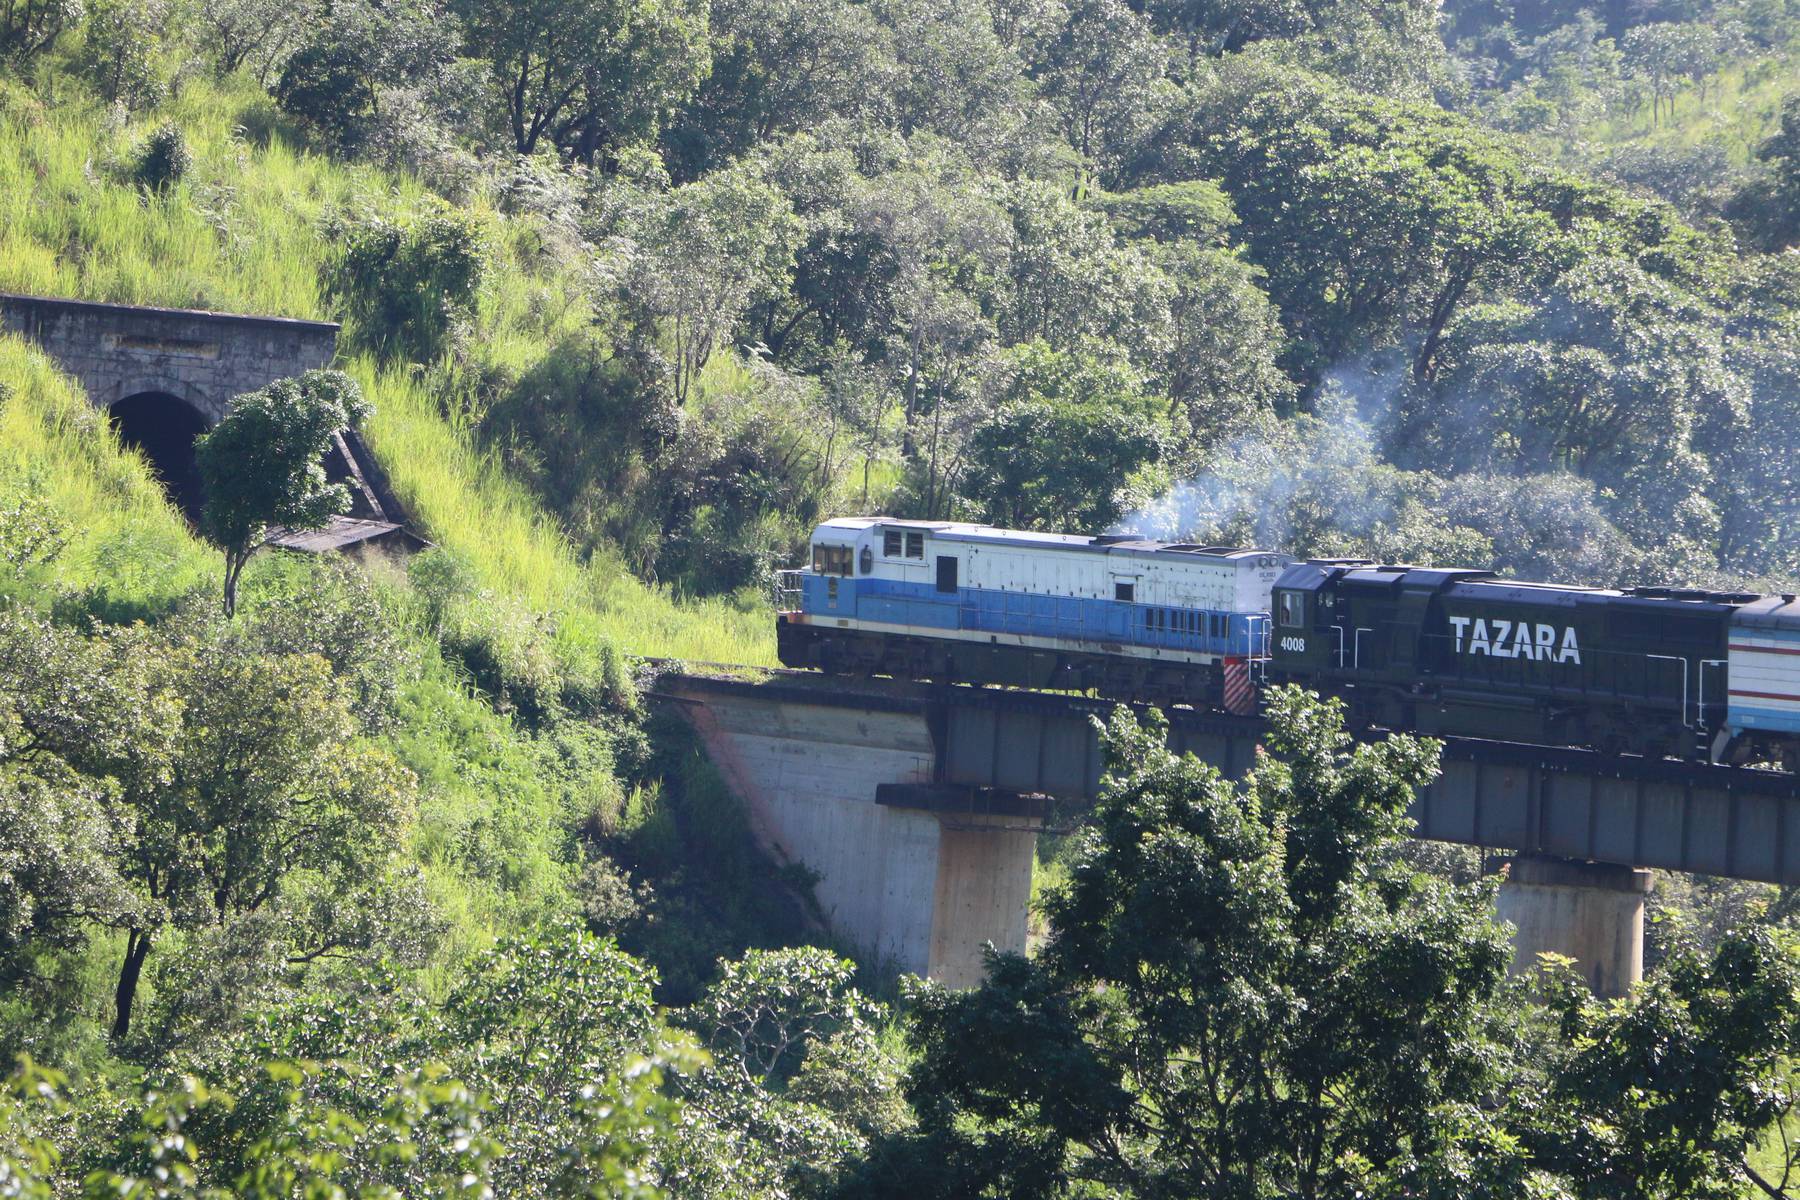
column 163, row 426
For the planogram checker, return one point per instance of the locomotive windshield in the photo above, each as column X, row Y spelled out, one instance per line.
column 831, row 560
column 1293, row 610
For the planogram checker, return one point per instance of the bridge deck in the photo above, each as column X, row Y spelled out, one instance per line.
column 1574, row 804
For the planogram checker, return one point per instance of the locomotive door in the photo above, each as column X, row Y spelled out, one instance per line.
column 1666, row 684
column 1710, row 696
column 1124, row 590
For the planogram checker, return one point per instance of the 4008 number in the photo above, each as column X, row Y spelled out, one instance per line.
column 1294, row 645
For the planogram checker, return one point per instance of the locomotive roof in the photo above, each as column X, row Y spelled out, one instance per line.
column 1770, row 612
column 1494, row 586
column 965, row 531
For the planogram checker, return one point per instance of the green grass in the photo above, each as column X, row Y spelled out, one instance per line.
column 122, row 538
column 243, row 233
column 514, row 548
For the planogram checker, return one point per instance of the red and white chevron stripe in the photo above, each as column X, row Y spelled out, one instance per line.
column 1240, row 695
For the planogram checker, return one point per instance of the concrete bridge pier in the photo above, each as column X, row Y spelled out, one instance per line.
column 1593, row 912
column 918, row 874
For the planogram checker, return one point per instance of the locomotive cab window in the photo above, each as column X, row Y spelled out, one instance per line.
column 946, row 574
column 831, row 560
column 890, row 543
column 915, row 545
column 1124, row 591
column 1293, row 610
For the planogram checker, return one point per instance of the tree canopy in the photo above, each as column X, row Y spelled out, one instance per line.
column 264, row 464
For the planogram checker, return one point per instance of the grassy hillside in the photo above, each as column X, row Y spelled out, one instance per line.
column 242, row 232
column 1742, row 106
column 121, row 537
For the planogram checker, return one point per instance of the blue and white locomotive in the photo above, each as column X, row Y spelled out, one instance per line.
column 948, row 601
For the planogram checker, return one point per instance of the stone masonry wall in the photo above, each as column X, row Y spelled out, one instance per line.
column 202, row 358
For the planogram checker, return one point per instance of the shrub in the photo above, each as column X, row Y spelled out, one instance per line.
column 325, row 87
column 165, row 159
column 405, row 285
column 606, row 896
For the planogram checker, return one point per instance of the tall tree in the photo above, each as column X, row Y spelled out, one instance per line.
column 719, row 245
column 1615, row 375
column 1769, row 207
column 1687, row 1091
column 1666, row 54
column 1378, row 222
column 589, row 76
column 209, row 774
column 779, row 66
column 1246, row 993
column 1100, row 70
column 29, row 27
column 266, row 779
column 1069, row 430
column 264, row 464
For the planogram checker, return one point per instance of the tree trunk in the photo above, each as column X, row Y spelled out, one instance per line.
column 234, row 566
column 137, row 949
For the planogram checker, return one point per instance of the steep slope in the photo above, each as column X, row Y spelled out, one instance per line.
column 246, row 229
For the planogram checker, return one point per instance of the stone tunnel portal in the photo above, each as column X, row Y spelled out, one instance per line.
column 164, row 428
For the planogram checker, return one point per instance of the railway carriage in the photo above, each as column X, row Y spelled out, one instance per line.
column 1122, row 616
column 1763, row 671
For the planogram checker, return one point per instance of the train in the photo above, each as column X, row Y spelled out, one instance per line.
column 1451, row 652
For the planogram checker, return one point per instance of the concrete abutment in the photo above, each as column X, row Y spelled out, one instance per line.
column 1591, row 912
column 918, row 878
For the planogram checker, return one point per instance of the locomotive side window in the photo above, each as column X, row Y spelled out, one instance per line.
column 946, row 574
column 831, row 560
column 890, row 543
column 1293, row 610
column 915, row 545
column 1124, row 591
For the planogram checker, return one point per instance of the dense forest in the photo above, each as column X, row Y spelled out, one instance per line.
column 385, row 879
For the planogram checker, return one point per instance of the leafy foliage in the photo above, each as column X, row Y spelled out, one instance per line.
column 1220, row 1003
column 407, row 286
column 165, row 158
column 1293, row 272
column 591, row 77
column 263, row 464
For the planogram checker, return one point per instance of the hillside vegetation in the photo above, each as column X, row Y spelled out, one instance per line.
column 246, row 230
column 390, row 882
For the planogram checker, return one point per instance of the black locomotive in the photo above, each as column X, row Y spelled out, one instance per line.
column 1463, row 653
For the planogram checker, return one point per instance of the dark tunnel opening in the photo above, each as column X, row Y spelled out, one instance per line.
column 164, row 428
